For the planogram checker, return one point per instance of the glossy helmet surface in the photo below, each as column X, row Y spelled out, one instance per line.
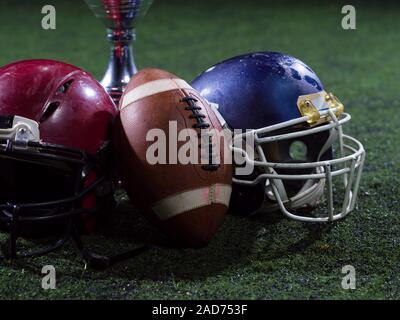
column 279, row 107
column 54, row 131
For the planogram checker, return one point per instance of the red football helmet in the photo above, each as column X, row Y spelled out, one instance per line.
column 54, row 131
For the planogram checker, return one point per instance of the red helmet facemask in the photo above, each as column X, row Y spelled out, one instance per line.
column 54, row 131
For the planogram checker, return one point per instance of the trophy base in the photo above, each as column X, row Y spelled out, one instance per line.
column 115, row 94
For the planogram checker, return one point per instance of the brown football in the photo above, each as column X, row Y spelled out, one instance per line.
column 187, row 201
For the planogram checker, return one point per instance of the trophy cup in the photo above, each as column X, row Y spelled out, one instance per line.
column 120, row 18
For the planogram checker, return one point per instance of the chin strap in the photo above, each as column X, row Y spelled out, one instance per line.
column 102, row 262
column 308, row 195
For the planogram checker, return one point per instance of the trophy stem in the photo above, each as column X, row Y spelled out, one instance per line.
column 121, row 64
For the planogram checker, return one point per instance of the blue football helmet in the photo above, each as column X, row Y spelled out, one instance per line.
column 288, row 130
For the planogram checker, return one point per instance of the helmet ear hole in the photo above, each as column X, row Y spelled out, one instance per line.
column 51, row 108
column 65, row 86
column 298, row 150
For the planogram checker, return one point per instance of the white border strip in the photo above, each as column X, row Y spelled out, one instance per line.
column 192, row 199
column 151, row 88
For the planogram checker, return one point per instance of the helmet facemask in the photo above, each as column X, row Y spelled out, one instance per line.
column 297, row 181
column 44, row 188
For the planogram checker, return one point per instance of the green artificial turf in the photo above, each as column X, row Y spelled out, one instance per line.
column 263, row 257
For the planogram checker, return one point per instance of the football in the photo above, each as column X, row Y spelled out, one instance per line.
column 179, row 184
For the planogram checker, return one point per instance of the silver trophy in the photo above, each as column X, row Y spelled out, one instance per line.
column 120, row 18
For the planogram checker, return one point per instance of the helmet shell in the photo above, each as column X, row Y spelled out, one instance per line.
column 259, row 89
column 71, row 107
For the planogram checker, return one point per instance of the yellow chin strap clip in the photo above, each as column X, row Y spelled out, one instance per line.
column 310, row 105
